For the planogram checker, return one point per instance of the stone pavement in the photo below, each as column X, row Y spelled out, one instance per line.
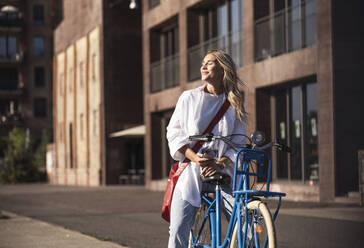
column 23, row 232
column 122, row 214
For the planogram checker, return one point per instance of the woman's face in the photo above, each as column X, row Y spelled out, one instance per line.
column 211, row 71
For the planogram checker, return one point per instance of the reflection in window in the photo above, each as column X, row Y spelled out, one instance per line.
column 38, row 46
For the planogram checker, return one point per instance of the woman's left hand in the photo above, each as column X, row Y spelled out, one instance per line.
column 210, row 170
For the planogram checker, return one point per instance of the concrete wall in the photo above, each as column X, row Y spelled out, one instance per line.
column 78, row 162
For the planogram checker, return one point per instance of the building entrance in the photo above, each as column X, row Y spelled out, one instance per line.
column 293, row 112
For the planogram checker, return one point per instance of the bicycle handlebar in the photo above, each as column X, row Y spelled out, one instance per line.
column 211, row 137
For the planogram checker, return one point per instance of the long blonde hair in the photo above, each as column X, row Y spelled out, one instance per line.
column 231, row 83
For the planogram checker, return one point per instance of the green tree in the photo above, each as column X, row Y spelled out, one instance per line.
column 18, row 165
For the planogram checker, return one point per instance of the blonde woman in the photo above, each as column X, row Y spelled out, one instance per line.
column 194, row 110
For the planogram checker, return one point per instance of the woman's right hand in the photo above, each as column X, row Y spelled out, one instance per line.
column 202, row 160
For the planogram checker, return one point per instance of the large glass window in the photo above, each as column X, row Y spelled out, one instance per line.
column 286, row 26
column 164, row 68
column 214, row 26
column 294, row 123
column 38, row 46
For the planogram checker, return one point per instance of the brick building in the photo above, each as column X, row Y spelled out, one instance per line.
column 26, row 46
column 300, row 60
column 97, row 92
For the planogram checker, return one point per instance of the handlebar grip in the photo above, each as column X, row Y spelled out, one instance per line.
column 203, row 137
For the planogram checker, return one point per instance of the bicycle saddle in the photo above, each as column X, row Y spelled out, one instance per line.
column 217, row 179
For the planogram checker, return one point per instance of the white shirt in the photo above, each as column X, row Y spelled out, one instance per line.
column 193, row 113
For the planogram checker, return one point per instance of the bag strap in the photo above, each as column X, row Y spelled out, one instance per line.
column 212, row 124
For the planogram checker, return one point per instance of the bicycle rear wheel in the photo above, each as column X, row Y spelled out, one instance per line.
column 205, row 235
column 260, row 227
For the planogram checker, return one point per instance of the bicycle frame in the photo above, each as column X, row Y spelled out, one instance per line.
column 242, row 196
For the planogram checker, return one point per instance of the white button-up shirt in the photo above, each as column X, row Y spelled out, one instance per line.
column 193, row 113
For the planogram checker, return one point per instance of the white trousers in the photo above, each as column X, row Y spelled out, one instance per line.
column 183, row 215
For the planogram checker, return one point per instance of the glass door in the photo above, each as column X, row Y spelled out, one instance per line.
column 295, row 117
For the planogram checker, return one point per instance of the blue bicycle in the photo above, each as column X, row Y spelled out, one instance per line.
column 251, row 223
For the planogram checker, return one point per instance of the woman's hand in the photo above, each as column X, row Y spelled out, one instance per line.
column 203, row 161
column 210, row 170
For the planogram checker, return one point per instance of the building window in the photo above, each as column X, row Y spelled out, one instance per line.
column 9, row 78
column 292, row 114
column 40, row 107
column 153, row 3
column 93, row 67
column 82, row 73
column 38, row 46
column 214, row 26
column 38, row 14
column 71, row 145
column 39, row 76
column 70, row 78
column 164, row 68
column 8, row 47
column 286, row 26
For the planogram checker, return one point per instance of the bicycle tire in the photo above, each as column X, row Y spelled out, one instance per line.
column 205, row 237
column 258, row 212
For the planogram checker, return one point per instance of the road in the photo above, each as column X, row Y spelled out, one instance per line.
column 130, row 216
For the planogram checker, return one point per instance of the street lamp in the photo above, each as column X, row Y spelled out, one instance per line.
column 132, row 4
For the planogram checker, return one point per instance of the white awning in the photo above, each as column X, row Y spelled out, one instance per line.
column 9, row 8
column 138, row 131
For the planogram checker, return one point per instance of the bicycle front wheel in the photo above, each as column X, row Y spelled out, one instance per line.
column 201, row 228
column 260, row 230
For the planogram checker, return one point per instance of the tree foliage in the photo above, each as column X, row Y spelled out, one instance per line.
column 21, row 164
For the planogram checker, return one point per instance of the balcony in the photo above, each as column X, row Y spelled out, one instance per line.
column 11, row 58
column 230, row 43
column 164, row 74
column 287, row 30
column 11, row 21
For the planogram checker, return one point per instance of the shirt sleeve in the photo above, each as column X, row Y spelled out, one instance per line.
column 176, row 134
column 239, row 128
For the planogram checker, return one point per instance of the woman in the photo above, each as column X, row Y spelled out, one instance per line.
column 194, row 111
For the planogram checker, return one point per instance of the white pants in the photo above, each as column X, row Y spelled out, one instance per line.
column 183, row 216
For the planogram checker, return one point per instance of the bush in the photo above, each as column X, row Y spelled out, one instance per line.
column 19, row 163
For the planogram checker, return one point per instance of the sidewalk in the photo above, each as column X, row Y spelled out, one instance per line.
column 22, row 232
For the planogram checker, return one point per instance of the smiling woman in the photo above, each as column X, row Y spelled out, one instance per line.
column 194, row 111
